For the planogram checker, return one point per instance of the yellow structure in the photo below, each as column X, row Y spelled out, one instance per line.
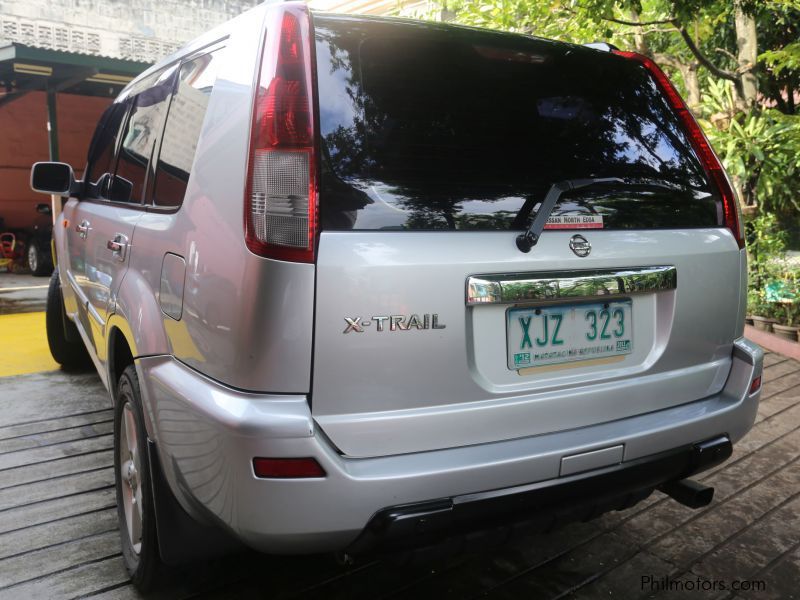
column 23, row 345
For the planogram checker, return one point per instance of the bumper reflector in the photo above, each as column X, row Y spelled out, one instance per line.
column 287, row 468
column 756, row 385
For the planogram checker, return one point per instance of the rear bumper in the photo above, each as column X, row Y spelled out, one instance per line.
column 539, row 505
column 208, row 434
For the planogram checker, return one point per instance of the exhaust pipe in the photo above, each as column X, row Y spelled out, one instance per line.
column 688, row 492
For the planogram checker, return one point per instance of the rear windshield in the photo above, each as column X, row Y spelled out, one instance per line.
column 429, row 127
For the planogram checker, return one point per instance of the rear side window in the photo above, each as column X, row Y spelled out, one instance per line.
column 141, row 131
column 102, row 147
column 426, row 128
column 182, row 130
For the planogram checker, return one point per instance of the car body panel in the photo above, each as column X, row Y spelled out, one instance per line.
column 228, row 328
column 207, row 460
column 390, row 392
column 91, row 273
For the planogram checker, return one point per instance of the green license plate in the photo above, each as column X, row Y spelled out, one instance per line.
column 552, row 335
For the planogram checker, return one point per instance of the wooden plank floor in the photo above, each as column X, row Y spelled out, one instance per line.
column 59, row 539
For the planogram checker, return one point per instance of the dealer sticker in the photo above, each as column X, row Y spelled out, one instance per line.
column 574, row 222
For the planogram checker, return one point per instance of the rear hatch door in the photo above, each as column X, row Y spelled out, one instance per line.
column 432, row 329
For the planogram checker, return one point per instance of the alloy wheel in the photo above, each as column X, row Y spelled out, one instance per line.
column 130, row 473
column 33, row 258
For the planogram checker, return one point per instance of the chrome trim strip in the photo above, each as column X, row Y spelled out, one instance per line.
column 511, row 288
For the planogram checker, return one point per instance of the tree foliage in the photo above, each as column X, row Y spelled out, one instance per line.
column 760, row 149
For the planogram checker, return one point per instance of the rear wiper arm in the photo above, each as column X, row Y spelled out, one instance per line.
column 529, row 238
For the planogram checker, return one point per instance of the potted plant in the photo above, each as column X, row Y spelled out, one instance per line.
column 763, row 319
column 752, row 303
column 783, row 295
column 789, row 329
column 771, row 282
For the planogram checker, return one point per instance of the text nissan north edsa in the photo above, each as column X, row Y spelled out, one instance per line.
column 362, row 285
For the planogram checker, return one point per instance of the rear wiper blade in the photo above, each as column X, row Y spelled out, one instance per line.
column 529, row 238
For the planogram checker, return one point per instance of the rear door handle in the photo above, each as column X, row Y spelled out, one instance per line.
column 118, row 246
column 83, row 229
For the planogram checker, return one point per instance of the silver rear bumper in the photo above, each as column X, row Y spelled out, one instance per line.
column 208, row 434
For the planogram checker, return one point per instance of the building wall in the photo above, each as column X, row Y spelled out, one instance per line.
column 23, row 124
column 143, row 30
column 413, row 9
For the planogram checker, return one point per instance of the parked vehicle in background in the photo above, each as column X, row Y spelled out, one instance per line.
column 38, row 244
column 361, row 285
column 32, row 242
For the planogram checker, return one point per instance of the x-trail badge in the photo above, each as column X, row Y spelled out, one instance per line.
column 394, row 322
column 580, row 245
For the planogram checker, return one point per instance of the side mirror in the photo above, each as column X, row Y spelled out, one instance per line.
column 114, row 187
column 53, row 178
column 44, row 209
column 121, row 189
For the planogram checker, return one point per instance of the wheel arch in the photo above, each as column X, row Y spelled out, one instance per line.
column 121, row 353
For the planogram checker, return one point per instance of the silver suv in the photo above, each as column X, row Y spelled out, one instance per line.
column 361, row 284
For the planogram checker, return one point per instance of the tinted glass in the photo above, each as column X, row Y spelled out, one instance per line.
column 141, row 131
column 432, row 127
column 182, row 130
column 102, row 147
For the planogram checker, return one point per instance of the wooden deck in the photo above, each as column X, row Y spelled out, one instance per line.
column 58, row 535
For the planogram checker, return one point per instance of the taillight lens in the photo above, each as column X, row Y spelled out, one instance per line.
column 730, row 206
column 280, row 202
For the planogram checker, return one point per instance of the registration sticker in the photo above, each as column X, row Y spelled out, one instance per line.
column 574, row 222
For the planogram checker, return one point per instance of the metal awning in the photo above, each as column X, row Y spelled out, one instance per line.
column 26, row 69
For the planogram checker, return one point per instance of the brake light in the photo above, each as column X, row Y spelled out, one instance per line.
column 730, row 206
column 287, row 468
column 280, row 199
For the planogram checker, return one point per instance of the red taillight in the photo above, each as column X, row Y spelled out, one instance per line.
column 280, row 199
column 756, row 385
column 287, row 468
column 730, row 207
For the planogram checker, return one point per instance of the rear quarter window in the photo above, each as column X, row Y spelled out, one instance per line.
column 425, row 127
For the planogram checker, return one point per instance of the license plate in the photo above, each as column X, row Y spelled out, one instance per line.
column 568, row 333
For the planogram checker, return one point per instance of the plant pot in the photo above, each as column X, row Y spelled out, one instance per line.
column 787, row 332
column 763, row 323
column 748, row 320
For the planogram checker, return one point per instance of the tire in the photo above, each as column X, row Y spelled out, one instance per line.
column 39, row 262
column 135, row 509
column 67, row 350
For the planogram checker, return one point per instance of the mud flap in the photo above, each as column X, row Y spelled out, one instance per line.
column 181, row 539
